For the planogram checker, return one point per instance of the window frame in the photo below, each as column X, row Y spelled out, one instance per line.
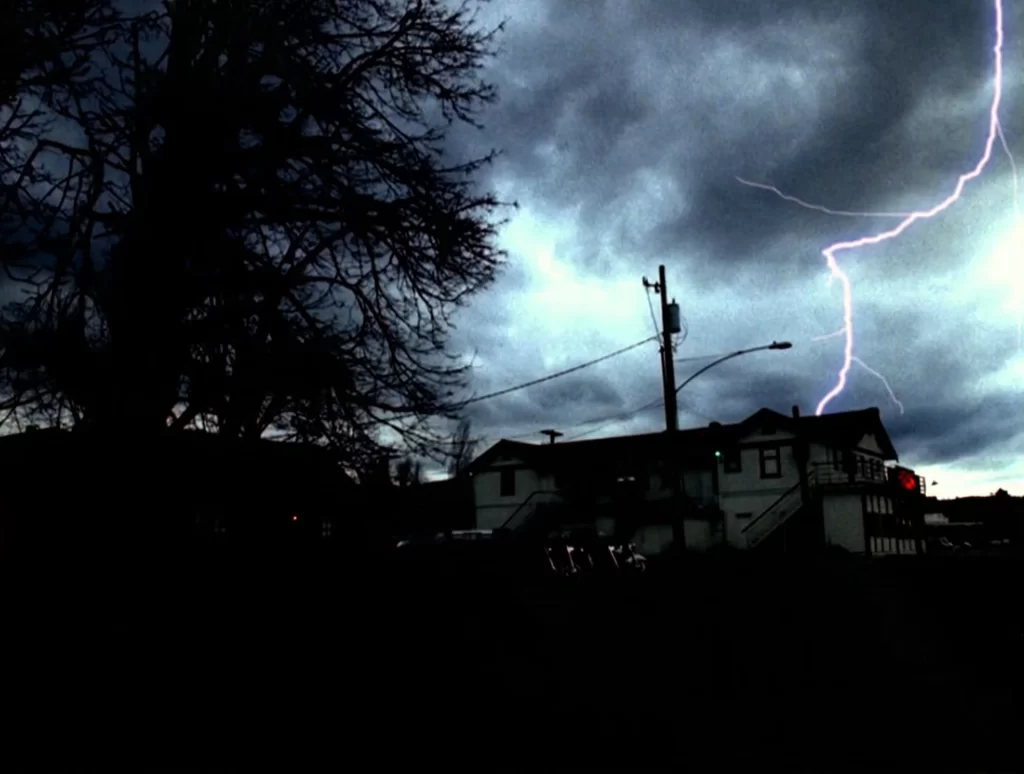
column 764, row 458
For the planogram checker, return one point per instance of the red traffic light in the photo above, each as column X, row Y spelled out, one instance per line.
column 906, row 480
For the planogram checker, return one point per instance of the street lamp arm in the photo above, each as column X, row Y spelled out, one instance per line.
column 710, row 365
column 730, row 356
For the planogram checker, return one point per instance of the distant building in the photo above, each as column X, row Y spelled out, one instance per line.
column 972, row 525
column 73, row 489
column 772, row 481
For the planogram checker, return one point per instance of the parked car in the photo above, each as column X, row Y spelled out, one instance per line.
column 575, row 551
column 583, row 551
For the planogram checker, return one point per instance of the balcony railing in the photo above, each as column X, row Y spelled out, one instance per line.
column 858, row 471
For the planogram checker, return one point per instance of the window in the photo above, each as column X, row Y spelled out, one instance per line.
column 508, row 482
column 733, row 460
column 771, row 464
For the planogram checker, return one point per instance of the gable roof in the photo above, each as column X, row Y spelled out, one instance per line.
column 546, row 455
column 844, row 429
column 848, row 428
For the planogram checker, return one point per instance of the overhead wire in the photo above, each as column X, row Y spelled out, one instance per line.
column 611, row 419
column 607, row 420
column 654, row 317
column 558, row 374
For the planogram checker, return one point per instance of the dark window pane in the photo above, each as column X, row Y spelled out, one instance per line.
column 508, row 482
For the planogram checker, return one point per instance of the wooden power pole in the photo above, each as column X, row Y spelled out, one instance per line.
column 669, row 325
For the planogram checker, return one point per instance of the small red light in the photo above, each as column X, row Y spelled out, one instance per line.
column 295, row 518
column 907, row 480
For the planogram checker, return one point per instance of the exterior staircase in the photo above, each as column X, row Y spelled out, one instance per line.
column 533, row 508
column 774, row 516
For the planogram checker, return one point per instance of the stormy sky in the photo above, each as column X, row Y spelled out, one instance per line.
column 624, row 126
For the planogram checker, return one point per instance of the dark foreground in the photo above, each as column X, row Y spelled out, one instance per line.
column 815, row 666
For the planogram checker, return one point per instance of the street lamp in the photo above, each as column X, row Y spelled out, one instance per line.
column 677, row 482
column 773, row 345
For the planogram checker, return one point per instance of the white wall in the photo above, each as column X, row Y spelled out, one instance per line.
column 493, row 510
column 869, row 443
column 697, row 485
column 817, row 453
column 844, row 521
column 747, row 492
column 698, row 534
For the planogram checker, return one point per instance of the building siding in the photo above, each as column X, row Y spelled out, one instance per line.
column 844, row 521
column 847, row 506
column 492, row 509
column 746, row 491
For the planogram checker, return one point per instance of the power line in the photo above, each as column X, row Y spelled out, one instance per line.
column 611, row 420
column 549, row 377
column 654, row 317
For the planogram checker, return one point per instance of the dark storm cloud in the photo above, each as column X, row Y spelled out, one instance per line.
column 738, row 389
column 624, row 125
column 950, row 432
column 592, row 93
column 591, row 392
column 940, row 429
column 560, row 403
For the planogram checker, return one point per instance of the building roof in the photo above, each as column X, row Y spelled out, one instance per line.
column 844, row 429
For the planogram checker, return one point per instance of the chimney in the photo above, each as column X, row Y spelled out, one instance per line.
column 796, row 412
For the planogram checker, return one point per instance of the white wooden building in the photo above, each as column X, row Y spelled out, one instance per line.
column 772, row 480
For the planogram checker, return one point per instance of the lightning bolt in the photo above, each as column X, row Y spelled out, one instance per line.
column 827, row 336
column 884, row 381
column 1013, row 166
column 818, row 207
column 865, row 366
column 907, row 219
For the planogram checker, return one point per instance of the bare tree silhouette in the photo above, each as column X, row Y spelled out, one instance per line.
column 462, row 448
column 409, row 472
column 252, row 225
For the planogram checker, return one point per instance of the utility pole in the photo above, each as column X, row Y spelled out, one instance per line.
column 669, row 325
column 552, row 434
